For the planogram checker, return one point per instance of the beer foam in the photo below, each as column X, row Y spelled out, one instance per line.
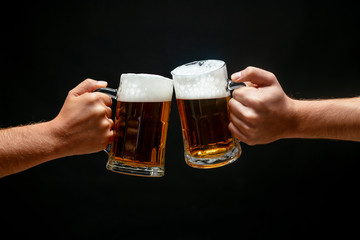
column 201, row 80
column 144, row 88
column 198, row 67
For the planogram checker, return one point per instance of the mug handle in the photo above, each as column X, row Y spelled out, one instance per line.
column 108, row 91
column 233, row 85
column 113, row 94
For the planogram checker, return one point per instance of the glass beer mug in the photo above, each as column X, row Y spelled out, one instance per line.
column 141, row 124
column 202, row 95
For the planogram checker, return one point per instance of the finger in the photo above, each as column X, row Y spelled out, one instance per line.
column 240, row 95
column 250, row 84
column 88, row 85
column 239, row 124
column 108, row 112
column 254, row 75
column 244, row 95
column 106, row 99
column 111, row 124
column 244, row 113
column 237, row 133
column 111, row 136
column 237, row 108
column 108, row 138
column 107, row 125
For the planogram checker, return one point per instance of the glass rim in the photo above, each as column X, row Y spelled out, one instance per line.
column 197, row 62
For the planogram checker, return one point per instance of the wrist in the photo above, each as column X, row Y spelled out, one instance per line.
column 295, row 126
column 55, row 139
column 306, row 119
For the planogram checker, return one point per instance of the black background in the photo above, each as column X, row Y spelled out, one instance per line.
column 287, row 189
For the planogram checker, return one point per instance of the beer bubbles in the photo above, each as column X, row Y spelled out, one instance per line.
column 144, row 88
column 201, row 80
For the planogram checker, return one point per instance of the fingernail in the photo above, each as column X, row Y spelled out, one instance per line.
column 236, row 76
column 102, row 83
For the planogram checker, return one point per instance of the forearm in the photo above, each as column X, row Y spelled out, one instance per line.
column 331, row 119
column 83, row 126
column 27, row 146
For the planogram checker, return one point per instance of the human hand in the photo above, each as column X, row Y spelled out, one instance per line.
column 260, row 112
column 84, row 123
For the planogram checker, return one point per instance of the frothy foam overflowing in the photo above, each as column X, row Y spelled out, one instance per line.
column 201, row 80
column 144, row 88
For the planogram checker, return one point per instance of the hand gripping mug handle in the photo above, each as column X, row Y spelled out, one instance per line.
column 113, row 94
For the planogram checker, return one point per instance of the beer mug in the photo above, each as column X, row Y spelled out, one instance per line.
column 141, row 124
column 202, row 95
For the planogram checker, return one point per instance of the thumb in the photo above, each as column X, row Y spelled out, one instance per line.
column 256, row 76
column 88, row 85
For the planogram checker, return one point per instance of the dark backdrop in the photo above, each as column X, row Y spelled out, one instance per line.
column 287, row 189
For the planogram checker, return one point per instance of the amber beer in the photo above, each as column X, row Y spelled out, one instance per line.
column 202, row 100
column 140, row 133
column 205, row 127
column 141, row 124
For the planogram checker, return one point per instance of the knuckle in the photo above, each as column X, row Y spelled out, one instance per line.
column 111, row 122
column 107, row 100
column 104, row 99
column 255, row 100
column 250, row 70
column 111, row 136
column 88, row 81
column 106, row 139
column 237, row 93
column 272, row 75
column 70, row 94
column 101, row 111
column 96, row 98
column 92, row 97
column 107, row 124
column 109, row 111
column 250, row 116
column 97, row 111
column 241, row 94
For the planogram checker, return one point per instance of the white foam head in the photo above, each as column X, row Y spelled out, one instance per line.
column 201, row 80
column 144, row 88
